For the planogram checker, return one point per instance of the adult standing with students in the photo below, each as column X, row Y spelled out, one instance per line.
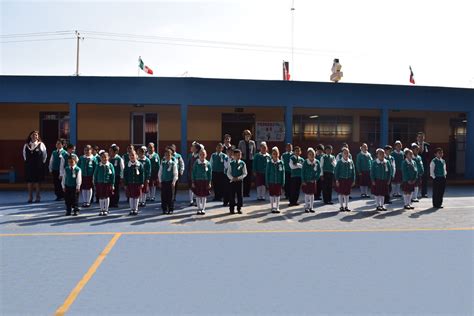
column 34, row 156
column 425, row 158
column 248, row 148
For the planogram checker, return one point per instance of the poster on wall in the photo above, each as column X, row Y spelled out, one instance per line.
column 270, row 131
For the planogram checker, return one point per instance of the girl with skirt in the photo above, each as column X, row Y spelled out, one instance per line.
column 421, row 170
column 133, row 179
column 193, row 156
column 143, row 159
column 344, row 173
column 363, row 163
column 34, row 155
column 380, row 175
column 201, row 177
column 275, row 179
column 155, row 167
column 398, row 157
column 409, row 177
column 310, row 174
column 259, row 166
column 104, row 180
column 87, row 163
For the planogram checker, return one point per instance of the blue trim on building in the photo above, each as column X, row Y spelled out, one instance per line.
column 186, row 92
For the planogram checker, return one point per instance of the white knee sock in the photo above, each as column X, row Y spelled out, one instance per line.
column 136, row 204
column 397, row 188
column 410, row 196
column 379, row 200
column 311, row 201
column 415, row 193
column 272, row 200
column 132, row 203
column 341, row 200
column 203, row 203
column 153, row 192
column 363, row 190
column 306, row 201
column 263, row 191
column 191, row 195
column 106, row 204
column 277, row 203
column 346, row 200
column 89, row 196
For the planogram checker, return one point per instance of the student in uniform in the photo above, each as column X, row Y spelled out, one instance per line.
column 201, row 177
column 133, row 179
column 421, row 171
column 259, row 166
column 344, row 173
column 71, row 184
column 96, row 151
column 227, row 142
column 409, row 178
column 339, row 155
column 104, row 180
column 226, row 183
column 167, row 178
column 363, row 163
column 275, row 179
column 54, row 168
column 398, row 157
column 380, row 174
column 193, row 156
column 87, row 163
column 218, row 177
column 296, row 164
column 310, row 174
column 328, row 163
column 424, row 154
column 319, row 186
column 236, row 172
column 155, row 167
column 119, row 166
column 142, row 158
column 438, row 174
column 70, row 152
column 286, row 160
column 391, row 160
column 179, row 159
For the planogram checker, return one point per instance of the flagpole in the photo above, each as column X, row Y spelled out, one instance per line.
column 292, row 34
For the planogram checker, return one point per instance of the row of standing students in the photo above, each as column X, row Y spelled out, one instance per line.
column 143, row 172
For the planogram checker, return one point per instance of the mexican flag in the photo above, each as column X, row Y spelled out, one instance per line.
column 144, row 67
column 412, row 76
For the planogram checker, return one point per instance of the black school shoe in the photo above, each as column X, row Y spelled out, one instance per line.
column 347, row 209
column 312, row 211
column 68, row 212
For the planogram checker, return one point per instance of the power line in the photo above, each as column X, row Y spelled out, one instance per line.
column 37, row 40
column 36, row 34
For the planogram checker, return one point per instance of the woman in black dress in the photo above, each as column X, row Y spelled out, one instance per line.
column 34, row 155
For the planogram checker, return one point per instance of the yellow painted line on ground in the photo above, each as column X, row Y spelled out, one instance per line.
column 222, row 232
column 93, row 268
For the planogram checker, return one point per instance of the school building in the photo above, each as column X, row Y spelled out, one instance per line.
column 138, row 110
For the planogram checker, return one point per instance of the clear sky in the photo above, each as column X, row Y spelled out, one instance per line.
column 375, row 40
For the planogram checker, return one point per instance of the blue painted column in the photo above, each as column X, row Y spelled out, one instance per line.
column 288, row 124
column 383, row 127
column 469, row 167
column 184, row 131
column 73, row 123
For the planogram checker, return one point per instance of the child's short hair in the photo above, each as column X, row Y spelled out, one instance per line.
column 414, row 145
column 231, row 148
column 320, row 147
column 297, row 148
column 88, row 147
column 62, row 141
column 311, row 150
column 95, row 147
column 70, row 146
column 227, row 136
column 168, row 150
column 141, row 149
column 151, row 144
column 388, row 147
column 438, row 150
column 103, row 152
column 263, row 144
column 380, row 150
column 73, row 158
column 219, row 145
column 328, row 147
column 275, row 149
column 237, row 151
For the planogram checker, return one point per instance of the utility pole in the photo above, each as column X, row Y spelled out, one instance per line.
column 77, row 51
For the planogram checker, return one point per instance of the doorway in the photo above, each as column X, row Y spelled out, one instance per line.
column 457, row 150
column 53, row 125
column 235, row 123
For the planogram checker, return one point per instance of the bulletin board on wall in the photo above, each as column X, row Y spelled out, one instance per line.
column 270, row 131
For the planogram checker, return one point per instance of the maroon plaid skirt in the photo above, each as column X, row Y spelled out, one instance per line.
column 103, row 190
column 407, row 187
column 309, row 188
column 380, row 188
column 201, row 188
column 154, row 178
column 274, row 189
column 364, row 179
column 345, row 186
column 398, row 176
column 145, row 187
column 260, row 179
column 86, row 183
column 133, row 190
